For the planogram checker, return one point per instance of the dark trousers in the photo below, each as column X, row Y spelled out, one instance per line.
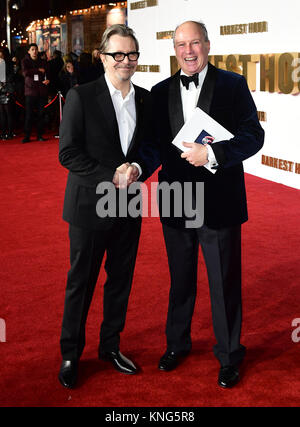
column 6, row 117
column 86, row 255
column 34, row 107
column 222, row 254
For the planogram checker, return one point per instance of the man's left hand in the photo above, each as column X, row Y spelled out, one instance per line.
column 197, row 155
column 125, row 175
column 132, row 174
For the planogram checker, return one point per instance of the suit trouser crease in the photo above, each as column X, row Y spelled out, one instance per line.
column 87, row 252
column 183, row 288
column 119, row 266
column 82, row 278
column 222, row 254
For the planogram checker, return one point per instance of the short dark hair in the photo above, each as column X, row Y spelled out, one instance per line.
column 32, row 44
column 120, row 30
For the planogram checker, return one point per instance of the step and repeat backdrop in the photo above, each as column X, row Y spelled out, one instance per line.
column 259, row 39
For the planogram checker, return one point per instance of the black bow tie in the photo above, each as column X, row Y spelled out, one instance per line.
column 186, row 80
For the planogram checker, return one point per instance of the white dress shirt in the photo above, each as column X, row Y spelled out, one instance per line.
column 189, row 99
column 189, row 103
column 125, row 113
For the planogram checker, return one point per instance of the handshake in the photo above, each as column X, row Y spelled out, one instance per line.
column 125, row 175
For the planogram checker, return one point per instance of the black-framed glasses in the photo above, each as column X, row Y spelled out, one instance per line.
column 120, row 56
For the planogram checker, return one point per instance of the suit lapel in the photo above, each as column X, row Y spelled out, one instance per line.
column 138, row 106
column 204, row 100
column 175, row 104
column 106, row 106
column 207, row 91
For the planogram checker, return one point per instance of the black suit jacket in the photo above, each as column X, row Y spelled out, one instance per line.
column 90, row 148
column 226, row 98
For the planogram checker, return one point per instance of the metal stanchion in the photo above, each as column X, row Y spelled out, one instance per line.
column 60, row 98
column 60, row 109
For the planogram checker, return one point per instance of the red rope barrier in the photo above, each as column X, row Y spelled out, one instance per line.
column 19, row 104
column 51, row 102
column 46, row 106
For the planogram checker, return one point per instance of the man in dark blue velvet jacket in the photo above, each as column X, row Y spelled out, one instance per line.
column 226, row 98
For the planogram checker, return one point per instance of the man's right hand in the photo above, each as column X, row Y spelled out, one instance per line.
column 125, row 175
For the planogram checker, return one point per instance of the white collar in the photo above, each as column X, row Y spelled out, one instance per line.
column 113, row 90
column 202, row 73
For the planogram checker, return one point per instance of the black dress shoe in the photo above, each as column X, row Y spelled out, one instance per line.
column 26, row 139
column 228, row 376
column 170, row 360
column 68, row 373
column 40, row 138
column 119, row 362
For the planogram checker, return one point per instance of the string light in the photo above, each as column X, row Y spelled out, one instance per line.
column 46, row 21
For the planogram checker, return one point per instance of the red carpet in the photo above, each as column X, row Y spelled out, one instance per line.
column 34, row 264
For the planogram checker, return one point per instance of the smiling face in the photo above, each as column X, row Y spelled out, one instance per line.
column 191, row 49
column 119, row 72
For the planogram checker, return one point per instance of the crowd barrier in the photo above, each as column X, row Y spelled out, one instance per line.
column 57, row 96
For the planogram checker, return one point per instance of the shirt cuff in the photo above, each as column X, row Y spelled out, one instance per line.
column 139, row 168
column 212, row 161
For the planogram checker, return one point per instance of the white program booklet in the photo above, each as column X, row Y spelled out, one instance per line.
column 199, row 127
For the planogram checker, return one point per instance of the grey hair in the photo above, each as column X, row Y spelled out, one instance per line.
column 201, row 27
column 120, row 30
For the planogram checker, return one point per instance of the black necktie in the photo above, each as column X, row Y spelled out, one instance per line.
column 186, row 80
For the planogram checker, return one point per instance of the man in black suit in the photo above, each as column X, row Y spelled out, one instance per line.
column 226, row 98
column 100, row 130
